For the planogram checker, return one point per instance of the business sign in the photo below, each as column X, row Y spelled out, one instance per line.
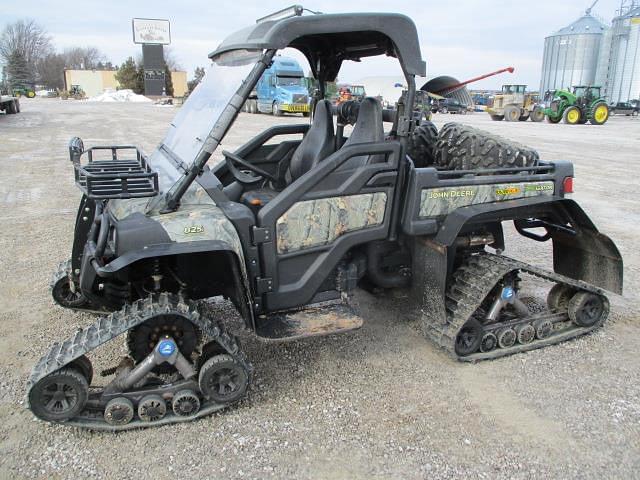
column 150, row 30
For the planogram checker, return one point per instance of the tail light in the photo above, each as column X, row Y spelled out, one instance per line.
column 567, row 185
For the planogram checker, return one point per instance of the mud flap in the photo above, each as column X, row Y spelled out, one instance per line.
column 588, row 255
column 429, row 279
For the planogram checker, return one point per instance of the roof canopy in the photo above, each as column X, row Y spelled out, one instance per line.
column 328, row 39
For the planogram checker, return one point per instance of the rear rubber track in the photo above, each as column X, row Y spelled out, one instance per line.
column 474, row 280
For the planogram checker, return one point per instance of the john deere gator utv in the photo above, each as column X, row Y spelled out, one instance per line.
column 287, row 228
column 580, row 105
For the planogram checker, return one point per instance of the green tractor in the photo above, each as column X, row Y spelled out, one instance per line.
column 581, row 104
column 23, row 91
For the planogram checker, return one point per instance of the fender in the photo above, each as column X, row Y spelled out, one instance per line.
column 580, row 251
column 163, row 250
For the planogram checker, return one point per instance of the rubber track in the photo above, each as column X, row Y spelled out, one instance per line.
column 472, row 283
column 109, row 327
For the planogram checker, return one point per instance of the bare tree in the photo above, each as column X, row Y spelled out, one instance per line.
column 25, row 42
column 51, row 71
column 83, row 58
column 170, row 59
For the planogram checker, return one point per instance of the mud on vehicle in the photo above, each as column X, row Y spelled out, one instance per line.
column 292, row 222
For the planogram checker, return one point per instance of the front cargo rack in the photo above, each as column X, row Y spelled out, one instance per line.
column 125, row 173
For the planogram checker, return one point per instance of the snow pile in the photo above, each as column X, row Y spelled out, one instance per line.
column 125, row 95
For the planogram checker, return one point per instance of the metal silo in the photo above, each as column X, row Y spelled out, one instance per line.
column 571, row 54
column 624, row 63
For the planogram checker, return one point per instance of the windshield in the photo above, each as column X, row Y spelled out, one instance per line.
column 200, row 112
column 290, row 81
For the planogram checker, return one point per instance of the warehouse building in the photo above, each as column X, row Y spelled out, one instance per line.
column 95, row 82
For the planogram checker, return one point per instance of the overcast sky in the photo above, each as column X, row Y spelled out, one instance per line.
column 462, row 38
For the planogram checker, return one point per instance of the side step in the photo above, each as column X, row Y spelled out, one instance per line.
column 311, row 322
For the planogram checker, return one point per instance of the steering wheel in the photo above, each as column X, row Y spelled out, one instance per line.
column 243, row 177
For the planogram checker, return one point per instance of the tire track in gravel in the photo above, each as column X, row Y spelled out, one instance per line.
column 512, row 415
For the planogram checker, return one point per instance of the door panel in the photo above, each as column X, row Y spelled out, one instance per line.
column 314, row 222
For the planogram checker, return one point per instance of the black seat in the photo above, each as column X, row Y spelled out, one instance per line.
column 368, row 128
column 317, row 144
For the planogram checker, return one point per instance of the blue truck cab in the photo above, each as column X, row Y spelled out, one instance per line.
column 282, row 88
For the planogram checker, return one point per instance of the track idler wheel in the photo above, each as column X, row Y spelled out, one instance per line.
column 489, row 342
column 60, row 395
column 222, row 379
column 586, row 309
column 185, row 404
column 525, row 333
column 119, row 411
column 152, row 408
column 83, row 364
column 469, row 338
column 507, row 337
column 559, row 296
column 544, row 328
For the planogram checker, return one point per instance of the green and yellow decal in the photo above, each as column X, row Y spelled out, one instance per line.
column 435, row 202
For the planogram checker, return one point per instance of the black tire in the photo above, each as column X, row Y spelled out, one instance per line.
column 511, row 113
column 11, row 108
column 17, row 106
column 497, row 118
column 65, row 297
column 461, row 147
column 524, row 118
column 537, row 115
column 444, row 110
column 253, row 106
column 223, row 380
column 587, row 309
column 59, row 396
column 275, row 110
column 306, row 114
column 570, row 112
column 594, row 118
column 553, row 120
column 421, row 144
column 469, row 338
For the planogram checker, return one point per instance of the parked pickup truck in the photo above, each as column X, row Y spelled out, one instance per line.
column 626, row 108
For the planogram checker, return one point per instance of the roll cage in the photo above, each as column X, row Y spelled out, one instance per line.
column 326, row 40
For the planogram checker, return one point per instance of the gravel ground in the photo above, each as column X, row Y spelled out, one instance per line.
column 379, row 402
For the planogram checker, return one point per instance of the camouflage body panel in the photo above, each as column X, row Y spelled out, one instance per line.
column 197, row 219
column 435, row 202
column 319, row 222
column 195, row 195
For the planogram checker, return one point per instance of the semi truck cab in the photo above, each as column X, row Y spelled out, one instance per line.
column 282, row 88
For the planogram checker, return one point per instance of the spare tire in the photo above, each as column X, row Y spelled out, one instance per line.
column 421, row 144
column 461, row 147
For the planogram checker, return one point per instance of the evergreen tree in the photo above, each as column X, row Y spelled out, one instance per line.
column 127, row 75
column 18, row 72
